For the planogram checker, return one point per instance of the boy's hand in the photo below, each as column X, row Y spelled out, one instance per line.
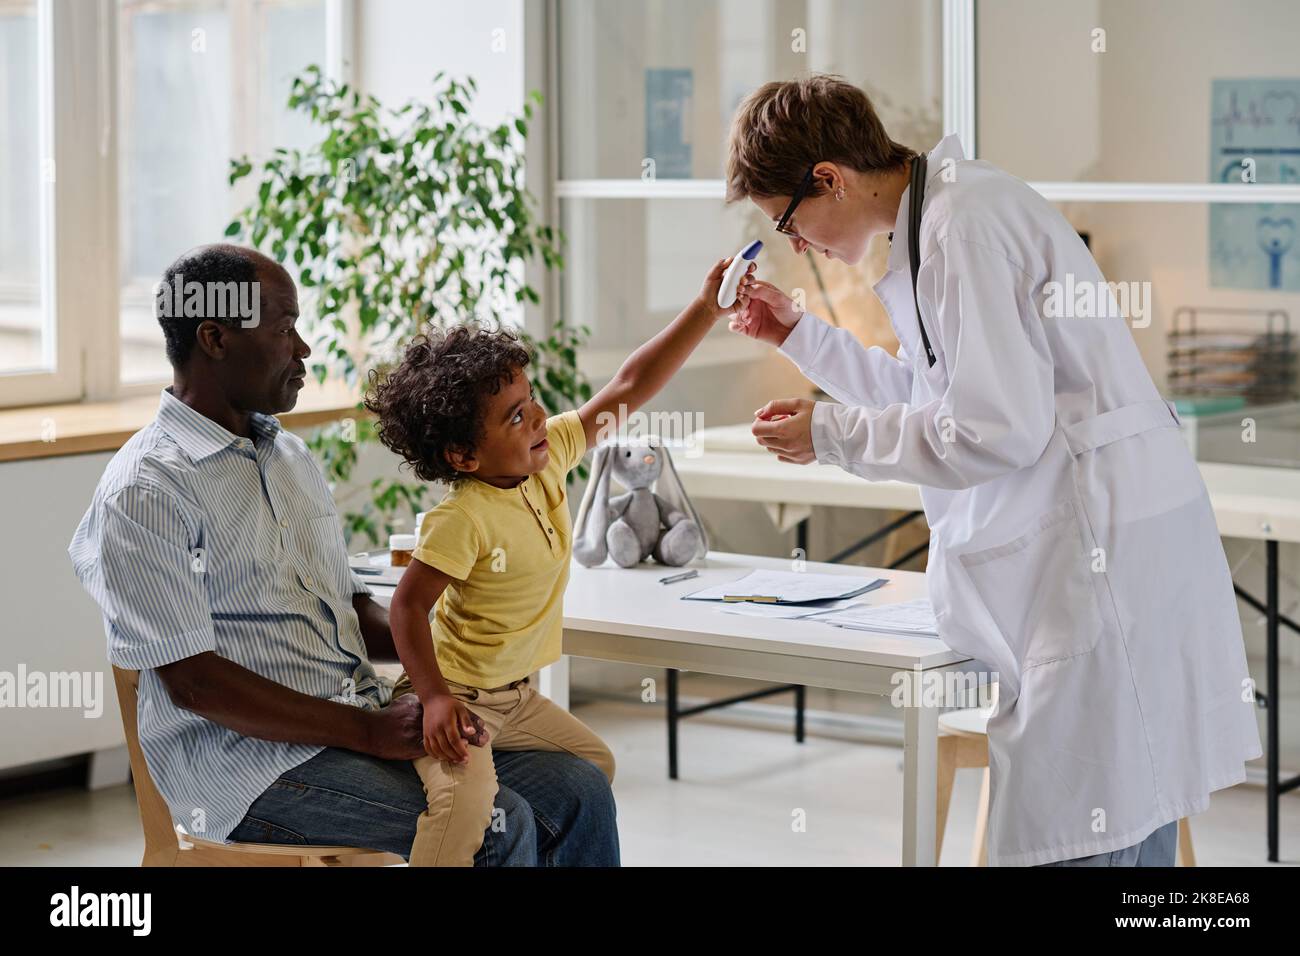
column 768, row 314
column 448, row 724
column 708, row 297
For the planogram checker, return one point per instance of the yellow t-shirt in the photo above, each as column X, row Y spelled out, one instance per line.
column 507, row 550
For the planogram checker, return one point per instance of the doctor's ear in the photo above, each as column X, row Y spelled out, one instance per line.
column 828, row 177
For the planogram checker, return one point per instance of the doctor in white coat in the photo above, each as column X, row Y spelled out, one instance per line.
column 1073, row 547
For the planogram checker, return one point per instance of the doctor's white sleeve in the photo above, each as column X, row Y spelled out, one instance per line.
column 834, row 360
column 997, row 411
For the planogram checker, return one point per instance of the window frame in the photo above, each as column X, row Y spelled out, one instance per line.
column 61, row 335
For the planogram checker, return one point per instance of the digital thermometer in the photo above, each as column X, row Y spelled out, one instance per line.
column 735, row 271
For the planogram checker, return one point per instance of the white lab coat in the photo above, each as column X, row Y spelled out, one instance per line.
column 1073, row 547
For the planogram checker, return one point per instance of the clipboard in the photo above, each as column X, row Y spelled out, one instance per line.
column 787, row 587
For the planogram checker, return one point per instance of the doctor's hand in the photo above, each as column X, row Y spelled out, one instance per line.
column 784, row 427
column 768, row 315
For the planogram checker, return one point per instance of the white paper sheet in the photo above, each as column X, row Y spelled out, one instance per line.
column 908, row 617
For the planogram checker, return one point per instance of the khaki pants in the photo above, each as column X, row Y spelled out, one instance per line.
column 460, row 796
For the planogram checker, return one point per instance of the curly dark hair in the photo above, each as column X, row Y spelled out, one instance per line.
column 434, row 399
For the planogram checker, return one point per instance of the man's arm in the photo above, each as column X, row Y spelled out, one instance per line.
column 375, row 631
column 246, row 702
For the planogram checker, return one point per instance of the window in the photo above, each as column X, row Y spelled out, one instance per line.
column 28, row 336
column 118, row 122
column 199, row 83
column 1121, row 92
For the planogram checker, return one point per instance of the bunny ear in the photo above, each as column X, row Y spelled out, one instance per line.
column 670, row 488
column 599, row 465
column 589, row 545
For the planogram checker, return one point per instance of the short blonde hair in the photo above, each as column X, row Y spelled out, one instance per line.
column 781, row 129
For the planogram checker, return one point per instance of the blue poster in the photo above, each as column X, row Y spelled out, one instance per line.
column 1252, row 245
column 668, row 119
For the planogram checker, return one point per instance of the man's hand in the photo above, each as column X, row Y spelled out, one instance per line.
column 395, row 730
column 784, row 427
column 479, row 736
column 448, row 726
column 768, row 314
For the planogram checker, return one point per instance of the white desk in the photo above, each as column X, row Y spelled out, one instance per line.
column 614, row 614
column 1250, row 501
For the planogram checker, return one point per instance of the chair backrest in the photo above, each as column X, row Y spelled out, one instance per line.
column 155, row 816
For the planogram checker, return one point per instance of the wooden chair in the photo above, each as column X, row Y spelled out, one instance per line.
column 165, row 846
column 964, row 742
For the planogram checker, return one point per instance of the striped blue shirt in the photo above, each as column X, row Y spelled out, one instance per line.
column 200, row 540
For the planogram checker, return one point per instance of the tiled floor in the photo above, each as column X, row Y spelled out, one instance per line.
column 738, row 796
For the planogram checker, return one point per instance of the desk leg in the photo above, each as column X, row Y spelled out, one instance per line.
column 1274, row 700
column 920, row 784
column 673, row 718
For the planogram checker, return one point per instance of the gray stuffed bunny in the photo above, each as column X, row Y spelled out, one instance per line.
column 638, row 523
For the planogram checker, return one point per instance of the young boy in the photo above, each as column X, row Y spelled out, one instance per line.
column 493, row 555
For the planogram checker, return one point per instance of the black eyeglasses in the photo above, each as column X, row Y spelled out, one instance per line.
column 783, row 224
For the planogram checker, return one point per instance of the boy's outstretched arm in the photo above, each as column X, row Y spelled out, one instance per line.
column 649, row 368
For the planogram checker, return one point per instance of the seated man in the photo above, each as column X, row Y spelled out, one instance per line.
column 214, row 550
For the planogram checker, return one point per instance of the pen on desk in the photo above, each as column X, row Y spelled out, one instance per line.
column 684, row 576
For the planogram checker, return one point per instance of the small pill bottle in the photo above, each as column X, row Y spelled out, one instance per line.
column 400, row 547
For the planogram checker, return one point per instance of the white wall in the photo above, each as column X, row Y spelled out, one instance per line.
column 47, row 622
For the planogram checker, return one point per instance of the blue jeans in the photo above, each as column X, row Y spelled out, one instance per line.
column 558, row 809
column 1159, row 849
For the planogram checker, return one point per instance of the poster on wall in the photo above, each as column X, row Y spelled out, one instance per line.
column 1255, row 131
column 668, row 117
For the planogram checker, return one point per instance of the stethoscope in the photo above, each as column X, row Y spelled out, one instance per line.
column 916, row 195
